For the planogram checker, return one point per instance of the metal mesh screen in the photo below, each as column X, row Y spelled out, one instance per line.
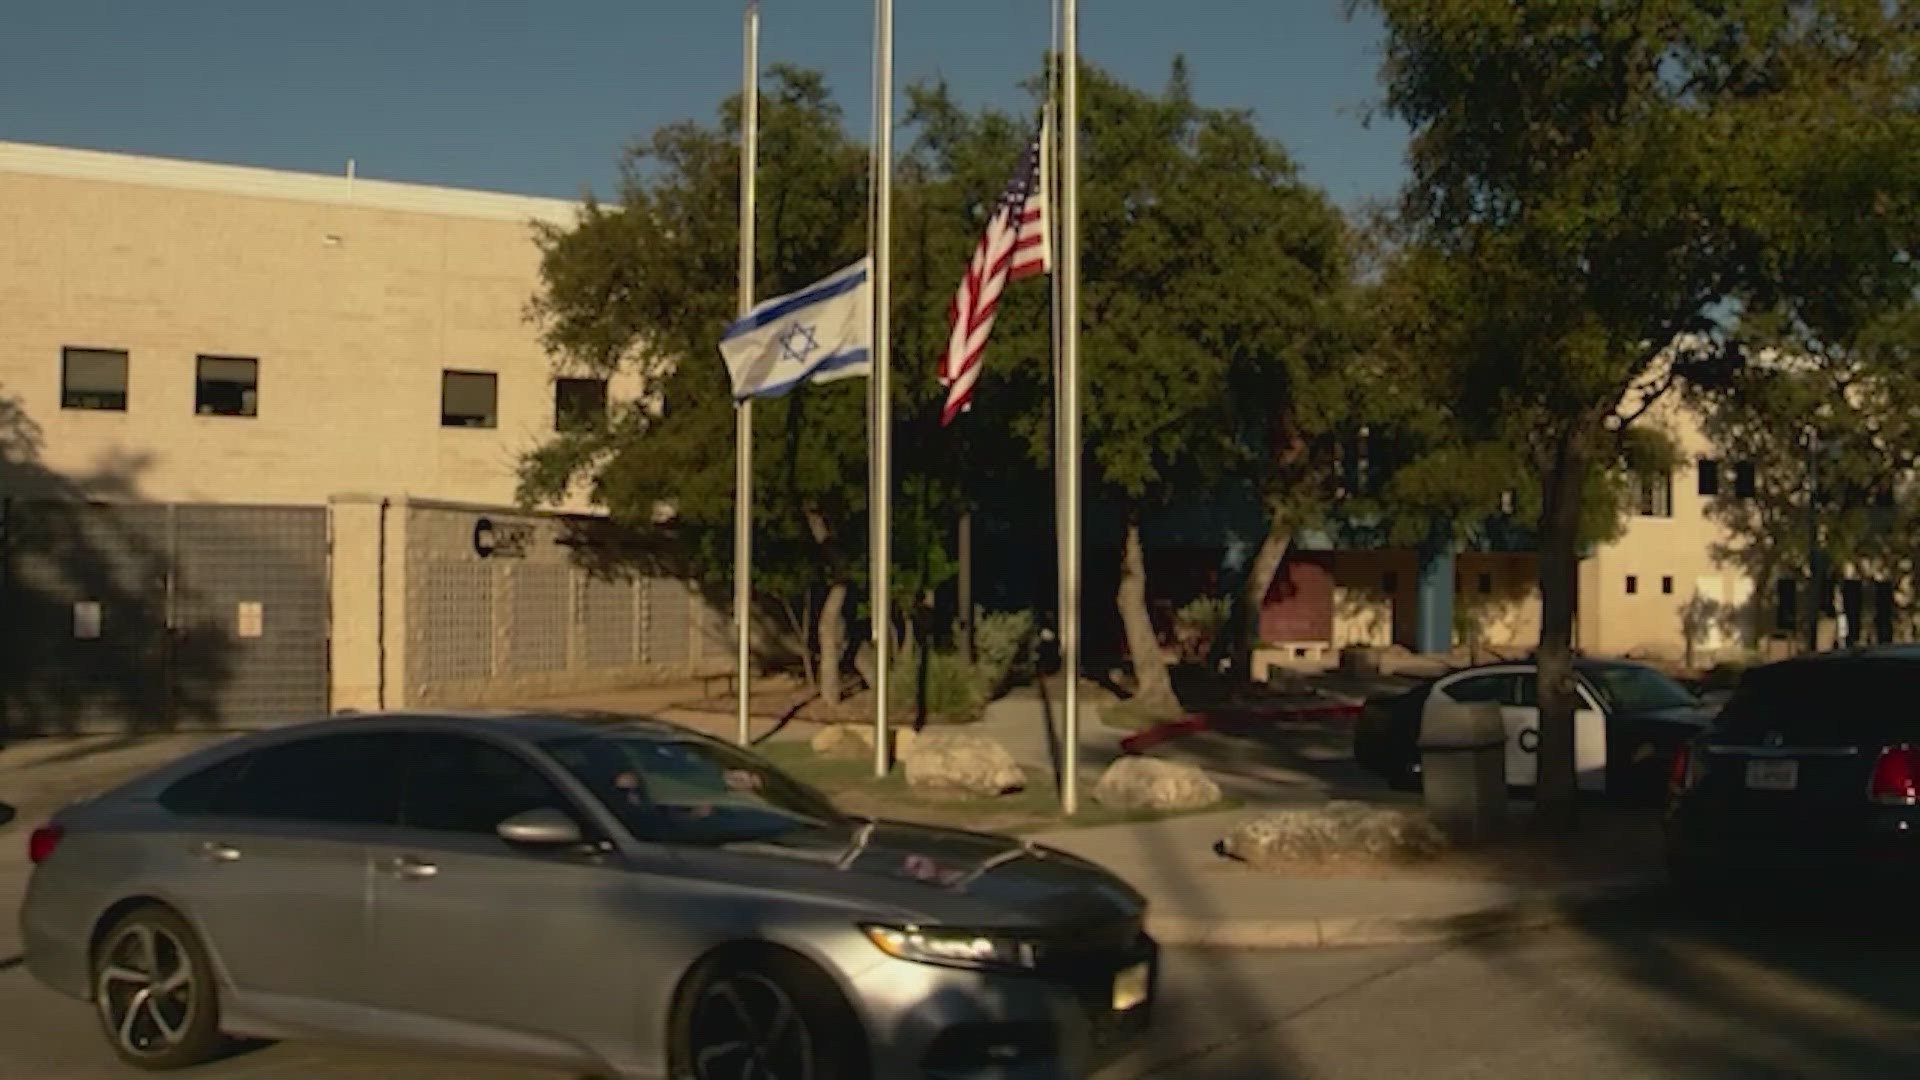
column 150, row 616
column 455, row 632
column 251, row 589
column 607, row 622
column 669, row 611
column 539, row 612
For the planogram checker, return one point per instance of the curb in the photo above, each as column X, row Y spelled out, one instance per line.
column 1336, row 932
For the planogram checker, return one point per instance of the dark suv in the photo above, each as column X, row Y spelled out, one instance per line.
column 1814, row 764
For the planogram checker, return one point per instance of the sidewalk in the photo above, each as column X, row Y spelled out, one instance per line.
column 1197, row 897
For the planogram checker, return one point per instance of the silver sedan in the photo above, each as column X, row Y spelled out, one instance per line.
column 631, row 900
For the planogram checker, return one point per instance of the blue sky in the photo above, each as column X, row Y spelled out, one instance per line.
column 538, row 97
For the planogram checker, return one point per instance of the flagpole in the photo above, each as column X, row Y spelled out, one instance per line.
column 743, row 412
column 882, row 407
column 1069, row 465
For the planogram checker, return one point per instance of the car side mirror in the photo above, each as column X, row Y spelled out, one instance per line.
column 7, row 813
column 544, row 827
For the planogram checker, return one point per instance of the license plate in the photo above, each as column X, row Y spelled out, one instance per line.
column 1773, row 774
column 1130, row 987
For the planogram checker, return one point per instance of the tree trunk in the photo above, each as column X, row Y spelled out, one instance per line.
column 1562, row 484
column 833, row 642
column 833, row 619
column 1253, row 594
column 1153, row 687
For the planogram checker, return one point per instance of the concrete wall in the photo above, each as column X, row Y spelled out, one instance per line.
column 352, row 296
column 438, row 623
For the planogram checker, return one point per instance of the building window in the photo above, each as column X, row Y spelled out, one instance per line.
column 579, row 404
column 1709, row 477
column 227, row 386
column 1786, row 605
column 469, row 399
column 93, row 379
column 1650, row 494
column 1666, row 585
column 1485, row 583
column 1743, row 481
column 1633, row 585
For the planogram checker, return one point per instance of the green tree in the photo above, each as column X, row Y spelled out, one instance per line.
column 1211, row 281
column 647, row 284
column 1611, row 184
column 1860, row 402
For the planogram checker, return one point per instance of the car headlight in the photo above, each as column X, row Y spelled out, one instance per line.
column 953, row 947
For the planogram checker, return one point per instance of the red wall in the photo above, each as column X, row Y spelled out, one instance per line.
column 1299, row 604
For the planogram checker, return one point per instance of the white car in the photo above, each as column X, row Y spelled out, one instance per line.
column 1629, row 720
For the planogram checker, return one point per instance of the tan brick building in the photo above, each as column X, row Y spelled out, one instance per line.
column 312, row 381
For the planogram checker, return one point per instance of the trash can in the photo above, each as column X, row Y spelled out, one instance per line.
column 1463, row 767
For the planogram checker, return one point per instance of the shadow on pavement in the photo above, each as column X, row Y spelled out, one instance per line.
column 1763, row 979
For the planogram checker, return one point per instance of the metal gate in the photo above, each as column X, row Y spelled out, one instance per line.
column 148, row 616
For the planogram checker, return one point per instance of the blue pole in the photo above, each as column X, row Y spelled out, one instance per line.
column 1434, row 626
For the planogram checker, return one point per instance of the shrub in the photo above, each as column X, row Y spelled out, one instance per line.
column 955, row 688
column 1002, row 644
column 1198, row 624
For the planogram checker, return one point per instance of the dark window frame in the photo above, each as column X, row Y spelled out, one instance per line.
column 488, row 422
column 1745, row 480
column 1633, row 584
column 201, row 406
column 70, row 400
column 567, row 418
column 1709, row 477
column 1650, row 494
column 1666, row 585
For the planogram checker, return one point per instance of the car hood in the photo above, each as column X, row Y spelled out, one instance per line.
column 940, row 874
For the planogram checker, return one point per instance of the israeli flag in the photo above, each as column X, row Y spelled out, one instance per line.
column 821, row 333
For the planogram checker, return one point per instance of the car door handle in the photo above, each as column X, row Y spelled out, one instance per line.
column 215, row 851
column 410, row 868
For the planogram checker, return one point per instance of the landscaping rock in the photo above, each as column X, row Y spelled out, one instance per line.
column 843, row 741
column 1141, row 783
column 1336, row 832
column 961, row 763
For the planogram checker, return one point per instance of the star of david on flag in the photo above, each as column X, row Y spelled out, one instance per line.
column 817, row 334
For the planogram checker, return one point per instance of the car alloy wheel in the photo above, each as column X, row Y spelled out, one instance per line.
column 148, row 989
column 745, row 1026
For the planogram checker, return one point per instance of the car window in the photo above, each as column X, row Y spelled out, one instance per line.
column 349, row 779
column 1629, row 688
column 1480, row 688
column 690, row 790
column 461, row 784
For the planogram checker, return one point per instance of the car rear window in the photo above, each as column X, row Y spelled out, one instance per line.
column 1821, row 702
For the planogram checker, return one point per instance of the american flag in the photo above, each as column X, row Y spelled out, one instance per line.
column 1017, row 244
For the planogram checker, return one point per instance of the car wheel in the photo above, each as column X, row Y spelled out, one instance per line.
column 769, row 1018
column 153, row 989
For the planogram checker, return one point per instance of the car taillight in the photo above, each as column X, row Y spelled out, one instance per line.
column 1682, row 765
column 42, row 841
column 1896, row 777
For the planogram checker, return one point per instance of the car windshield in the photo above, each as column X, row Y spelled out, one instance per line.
column 690, row 789
column 1637, row 689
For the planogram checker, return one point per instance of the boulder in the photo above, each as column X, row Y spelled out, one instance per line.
column 843, row 741
column 1142, row 783
column 1336, row 832
column 961, row 763
column 854, row 742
